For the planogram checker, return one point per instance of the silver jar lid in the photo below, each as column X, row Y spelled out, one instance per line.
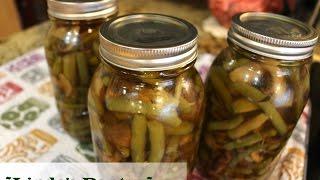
column 148, row 42
column 81, row 9
column 273, row 35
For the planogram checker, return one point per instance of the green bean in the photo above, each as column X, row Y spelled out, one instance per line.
column 248, row 126
column 221, row 89
column 268, row 133
column 262, row 172
column 72, row 106
column 94, row 102
column 250, row 139
column 65, row 85
column 225, row 124
column 83, row 69
column 122, row 116
column 235, row 63
column 95, row 47
column 274, row 116
column 89, row 38
column 98, row 89
column 263, row 167
column 242, row 106
column 153, row 111
column 248, row 91
column 106, row 80
column 126, row 105
column 223, row 75
column 264, row 163
column 173, row 144
column 157, row 141
column 80, row 128
column 245, row 171
column 244, row 142
column 186, row 107
column 172, row 149
column 94, row 61
column 178, row 87
column 69, row 68
column 198, row 83
column 274, row 146
column 138, row 139
column 242, row 155
column 60, row 32
column 183, row 129
column 298, row 90
column 57, row 66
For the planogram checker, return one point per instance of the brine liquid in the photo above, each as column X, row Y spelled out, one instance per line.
column 72, row 54
column 146, row 119
column 252, row 109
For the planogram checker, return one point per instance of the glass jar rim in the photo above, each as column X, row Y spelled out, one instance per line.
column 82, row 10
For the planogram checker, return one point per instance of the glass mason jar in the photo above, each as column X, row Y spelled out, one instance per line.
column 146, row 98
column 256, row 91
column 72, row 54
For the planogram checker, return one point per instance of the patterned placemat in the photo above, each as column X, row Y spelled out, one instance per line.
column 31, row 130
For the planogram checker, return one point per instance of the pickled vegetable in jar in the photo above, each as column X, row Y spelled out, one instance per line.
column 256, row 91
column 150, row 108
column 72, row 54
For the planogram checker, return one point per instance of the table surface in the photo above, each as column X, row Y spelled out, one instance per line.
column 34, row 37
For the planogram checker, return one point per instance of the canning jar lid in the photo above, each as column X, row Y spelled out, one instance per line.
column 148, row 42
column 81, row 9
column 273, row 35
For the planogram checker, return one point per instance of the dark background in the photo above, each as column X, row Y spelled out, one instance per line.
column 35, row 11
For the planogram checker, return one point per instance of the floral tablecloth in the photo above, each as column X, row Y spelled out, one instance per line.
column 30, row 129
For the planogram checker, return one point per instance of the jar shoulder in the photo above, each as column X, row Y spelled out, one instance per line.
column 77, row 36
column 186, row 86
column 280, row 82
column 150, row 79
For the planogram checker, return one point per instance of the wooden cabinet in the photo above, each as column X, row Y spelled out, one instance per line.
column 9, row 18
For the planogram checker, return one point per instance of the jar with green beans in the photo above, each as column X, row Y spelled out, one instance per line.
column 72, row 51
column 256, row 91
column 150, row 108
